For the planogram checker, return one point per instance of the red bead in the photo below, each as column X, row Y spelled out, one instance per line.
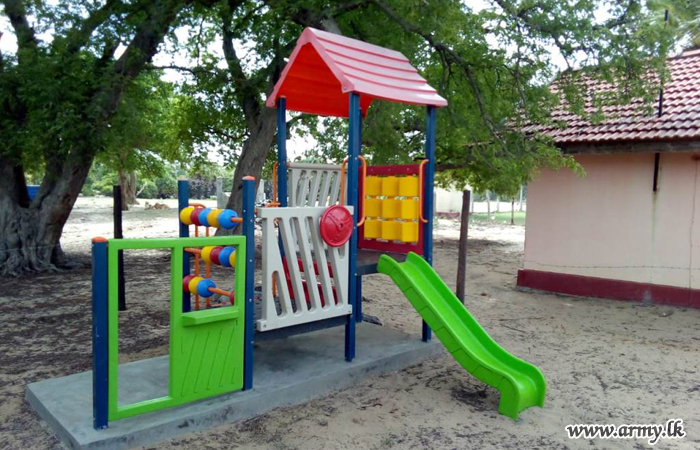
column 194, row 217
column 186, row 283
column 214, row 255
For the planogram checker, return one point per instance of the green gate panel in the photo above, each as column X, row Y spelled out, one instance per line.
column 206, row 346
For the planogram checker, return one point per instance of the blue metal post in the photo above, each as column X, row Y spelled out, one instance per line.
column 249, row 233
column 100, row 351
column 282, row 151
column 354, row 118
column 358, row 293
column 183, row 200
column 428, row 198
column 358, row 303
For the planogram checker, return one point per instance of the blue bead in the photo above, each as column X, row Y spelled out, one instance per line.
column 203, row 287
column 203, row 217
column 225, row 219
column 225, row 256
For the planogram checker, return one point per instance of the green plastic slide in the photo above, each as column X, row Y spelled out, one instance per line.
column 521, row 384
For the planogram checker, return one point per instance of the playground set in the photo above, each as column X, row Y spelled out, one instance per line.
column 326, row 228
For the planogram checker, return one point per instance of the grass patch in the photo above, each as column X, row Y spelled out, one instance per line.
column 499, row 217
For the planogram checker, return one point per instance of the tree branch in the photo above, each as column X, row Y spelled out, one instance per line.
column 191, row 70
column 15, row 11
column 80, row 35
column 450, row 56
column 248, row 97
column 149, row 34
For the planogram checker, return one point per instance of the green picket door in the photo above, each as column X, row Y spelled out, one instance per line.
column 206, row 347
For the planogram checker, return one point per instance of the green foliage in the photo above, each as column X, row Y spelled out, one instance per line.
column 100, row 181
column 144, row 134
column 683, row 18
column 494, row 66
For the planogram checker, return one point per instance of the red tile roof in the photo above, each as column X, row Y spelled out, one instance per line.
column 325, row 67
column 680, row 119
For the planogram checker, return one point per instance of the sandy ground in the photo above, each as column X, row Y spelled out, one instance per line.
column 605, row 361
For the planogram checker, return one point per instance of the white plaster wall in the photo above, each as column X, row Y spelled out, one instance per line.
column 610, row 224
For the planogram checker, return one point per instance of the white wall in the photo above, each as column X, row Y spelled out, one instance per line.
column 610, row 224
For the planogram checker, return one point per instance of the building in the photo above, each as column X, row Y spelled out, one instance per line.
column 629, row 229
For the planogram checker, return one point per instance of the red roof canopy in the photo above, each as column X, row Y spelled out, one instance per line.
column 325, row 68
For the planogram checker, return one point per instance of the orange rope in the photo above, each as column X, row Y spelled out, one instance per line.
column 274, row 201
column 422, row 191
column 197, row 205
column 342, row 181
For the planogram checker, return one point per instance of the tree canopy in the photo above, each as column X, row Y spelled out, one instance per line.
column 76, row 63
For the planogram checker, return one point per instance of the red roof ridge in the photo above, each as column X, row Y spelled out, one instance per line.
column 355, row 44
column 385, row 66
column 402, row 59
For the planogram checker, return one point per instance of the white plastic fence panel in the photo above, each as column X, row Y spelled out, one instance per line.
column 285, row 311
column 313, row 184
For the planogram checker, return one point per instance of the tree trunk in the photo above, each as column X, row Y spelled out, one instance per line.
column 252, row 158
column 30, row 233
column 127, row 182
column 488, row 205
column 520, row 202
column 498, row 204
column 512, row 211
column 471, row 206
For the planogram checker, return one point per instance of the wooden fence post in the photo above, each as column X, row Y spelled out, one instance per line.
column 119, row 234
column 462, row 257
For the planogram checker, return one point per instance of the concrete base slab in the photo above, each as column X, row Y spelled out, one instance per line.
column 288, row 371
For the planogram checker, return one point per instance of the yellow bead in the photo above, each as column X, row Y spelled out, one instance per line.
column 193, row 284
column 213, row 218
column 206, row 253
column 185, row 215
column 232, row 259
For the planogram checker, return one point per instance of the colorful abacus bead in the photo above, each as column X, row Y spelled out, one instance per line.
column 192, row 285
column 185, row 215
column 213, row 217
column 203, row 213
column 194, row 216
column 225, row 256
column 225, row 221
column 206, row 253
column 232, row 259
column 203, row 287
column 214, row 255
column 186, row 283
